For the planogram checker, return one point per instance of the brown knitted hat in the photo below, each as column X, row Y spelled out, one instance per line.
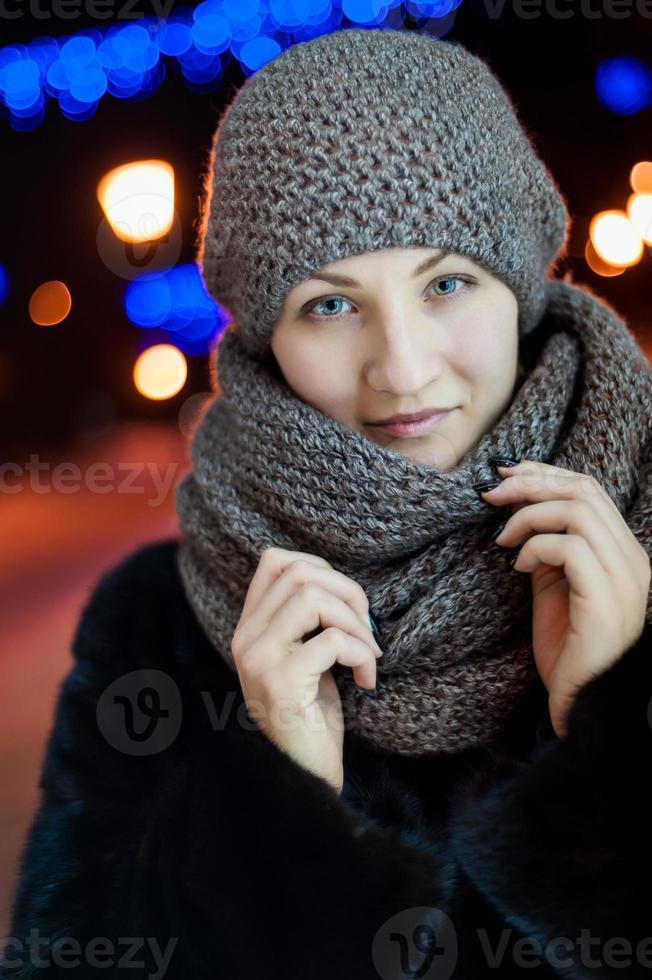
column 369, row 139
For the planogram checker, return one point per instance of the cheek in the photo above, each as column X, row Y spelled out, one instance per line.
column 489, row 349
column 319, row 377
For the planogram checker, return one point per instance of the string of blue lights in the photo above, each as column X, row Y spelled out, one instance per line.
column 130, row 61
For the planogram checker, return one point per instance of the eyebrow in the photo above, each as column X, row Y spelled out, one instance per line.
column 335, row 280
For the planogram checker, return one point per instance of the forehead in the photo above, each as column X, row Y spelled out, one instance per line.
column 389, row 261
column 386, row 256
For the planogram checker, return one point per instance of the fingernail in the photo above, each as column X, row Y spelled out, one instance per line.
column 498, row 531
column 487, row 485
column 503, row 461
column 373, row 625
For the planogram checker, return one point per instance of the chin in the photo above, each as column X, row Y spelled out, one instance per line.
column 438, row 453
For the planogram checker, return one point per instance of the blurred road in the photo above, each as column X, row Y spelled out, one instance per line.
column 60, row 531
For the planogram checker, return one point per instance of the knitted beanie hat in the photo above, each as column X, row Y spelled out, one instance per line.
column 369, row 139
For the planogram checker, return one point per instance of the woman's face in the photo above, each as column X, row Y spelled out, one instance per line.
column 393, row 337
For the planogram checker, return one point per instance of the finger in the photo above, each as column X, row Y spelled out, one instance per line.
column 272, row 564
column 530, row 487
column 306, row 609
column 332, row 646
column 548, row 473
column 582, row 569
column 572, row 517
column 295, row 575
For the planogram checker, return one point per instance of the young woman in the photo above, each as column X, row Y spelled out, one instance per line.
column 335, row 731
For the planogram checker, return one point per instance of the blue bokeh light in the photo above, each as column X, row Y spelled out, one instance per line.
column 259, row 51
column 4, row 284
column 74, row 109
column 90, row 86
column 176, row 301
column 368, row 12
column 20, row 83
column 174, row 38
column 148, row 301
column 288, row 14
column 624, row 85
column 77, row 54
column 129, row 62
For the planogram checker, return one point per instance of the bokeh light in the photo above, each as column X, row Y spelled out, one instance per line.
column 129, row 61
column 50, row 303
column 615, row 238
column 639, row 210
column 624, row 85
column 640, row 177
column 138, row 200
column 175, row 299
column 598, row 265
column 4, row 284
column 160, row 372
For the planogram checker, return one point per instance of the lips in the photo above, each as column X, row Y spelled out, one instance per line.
column 415, row 417
column 414, row 429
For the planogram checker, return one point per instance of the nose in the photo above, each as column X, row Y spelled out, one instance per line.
column 402, row 356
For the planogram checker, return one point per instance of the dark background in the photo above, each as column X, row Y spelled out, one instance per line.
column 58, row 384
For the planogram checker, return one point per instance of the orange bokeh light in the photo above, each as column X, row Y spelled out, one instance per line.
column 641, row 177
column 598, row 265
column 615, row 239
column 160, row 372
column 50, row 303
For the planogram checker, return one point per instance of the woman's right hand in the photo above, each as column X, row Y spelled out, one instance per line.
column 287, row 684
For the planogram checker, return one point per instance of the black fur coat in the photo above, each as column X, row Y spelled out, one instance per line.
column 212, row 855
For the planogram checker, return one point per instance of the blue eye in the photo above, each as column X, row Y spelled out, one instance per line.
column 334, row 315
column 328, row 299
column 449, row 279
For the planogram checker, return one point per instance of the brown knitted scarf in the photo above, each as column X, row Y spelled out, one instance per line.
column 455, row 619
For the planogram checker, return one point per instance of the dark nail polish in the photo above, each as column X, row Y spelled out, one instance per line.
column 375, row 630
column 487, row 485
column 503, row 461
column 497, row 531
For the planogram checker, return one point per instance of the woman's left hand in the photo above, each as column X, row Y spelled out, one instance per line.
column 590, row 576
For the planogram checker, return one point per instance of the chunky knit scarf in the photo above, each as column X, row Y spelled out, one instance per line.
column 455, row 619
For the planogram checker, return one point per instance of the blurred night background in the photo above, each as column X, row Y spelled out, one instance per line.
column 106, row 343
